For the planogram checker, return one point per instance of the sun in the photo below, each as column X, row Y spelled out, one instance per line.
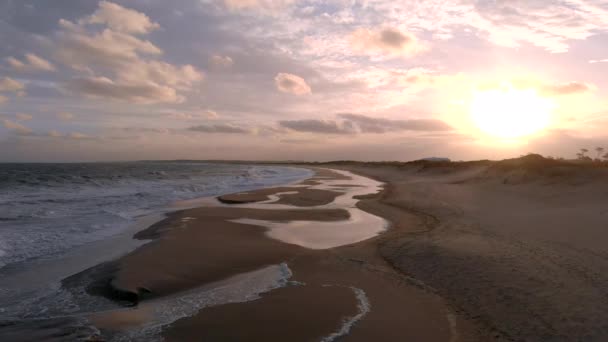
column 510, row 113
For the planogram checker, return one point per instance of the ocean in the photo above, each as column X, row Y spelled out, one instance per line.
column 48, row 212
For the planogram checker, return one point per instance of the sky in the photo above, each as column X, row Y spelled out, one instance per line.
column 301, row 80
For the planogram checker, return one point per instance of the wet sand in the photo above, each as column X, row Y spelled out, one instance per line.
column 286, row 314
column 349, row 292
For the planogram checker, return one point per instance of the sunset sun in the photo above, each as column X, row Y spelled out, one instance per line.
column 510, row 113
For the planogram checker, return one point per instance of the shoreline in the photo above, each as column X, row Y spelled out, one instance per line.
column 42, row 274
column 390, row 293
column 185, row 256
column 453, row 265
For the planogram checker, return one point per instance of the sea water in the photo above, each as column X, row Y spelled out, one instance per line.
column 46, row 209
column 53, row 217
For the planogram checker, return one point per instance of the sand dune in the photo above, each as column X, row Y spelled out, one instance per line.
column 518, row 245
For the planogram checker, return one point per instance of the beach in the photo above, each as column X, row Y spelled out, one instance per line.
column 517, row 246
column 343, row 290
column 360, row 252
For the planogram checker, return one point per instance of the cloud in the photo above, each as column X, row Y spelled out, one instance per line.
column 388, row 41
column 23, row 117
column 356, row 123
column 593, row 61
column 416, row 76
column 72, row 135
column 317, row 126
column 16, row 127
column 31, row 63
column 121, row 19
column 268, row 6
column 108, row 50
column 367, row 124
column 298, row 141
column 221, row 61
column 290, row 83
column 78, row 135
column 117, row 64
column 15, row 63
column 219, row 128
column 180, row 77
column 65, row 116
column 193, row 115
column 136, row 92
column 156, row 130
column 565, row 88
column 55, row 134
column 544, row 88
column 549, row 25
column 10, row 85
column 180, row 116
column 209, row 114
column 546, row 25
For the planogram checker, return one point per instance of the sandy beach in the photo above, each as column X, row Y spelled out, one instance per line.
column 348, row 292
column 518, row 246
column 409, row 252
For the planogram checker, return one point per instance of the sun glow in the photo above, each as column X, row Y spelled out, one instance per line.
column 510, row 113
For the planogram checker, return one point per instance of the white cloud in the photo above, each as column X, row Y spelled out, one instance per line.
column 121, row 19
column 193, row 115
column 268, row 6
column 108, row 49
column 65, row 116
column 31, row 63
column 544, row 88
column 179, row 116
column 10, row 85
column 387, row 41
column 38, row 63
column 550, row 25
column 221, row 61
column 15, row 63
column 78, row 135
column 23, row 117
column 566, row 88
column 55, row 134
column 136, row 92
column 209, row 114
column 72, row 135
column 16, row 127
column 593, row 61
column 547, row 25
column 117, row 64
column 180, row 77
column 290, row 83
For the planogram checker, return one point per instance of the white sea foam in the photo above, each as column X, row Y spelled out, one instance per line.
column 364, row 308
column 238, row 289
column 149, row 317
